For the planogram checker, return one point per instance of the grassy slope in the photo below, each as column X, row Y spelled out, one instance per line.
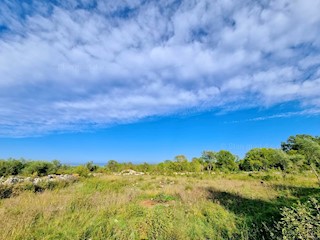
column 232, row 206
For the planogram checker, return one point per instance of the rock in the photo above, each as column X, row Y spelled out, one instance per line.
column 62, row 177
column 130, row 172
column 28, row 179
column 37, row 180
column 12, row 180
column 67, row 177
column 97, row 174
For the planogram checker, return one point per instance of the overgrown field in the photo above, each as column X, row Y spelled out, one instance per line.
column 217, row 206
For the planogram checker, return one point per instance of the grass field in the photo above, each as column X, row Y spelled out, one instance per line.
column 219, row 206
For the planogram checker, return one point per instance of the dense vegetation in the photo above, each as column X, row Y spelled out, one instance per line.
column 269, row 194
column 298, row 153
column 201, row 206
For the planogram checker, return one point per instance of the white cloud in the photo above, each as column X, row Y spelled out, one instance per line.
column 74, row 65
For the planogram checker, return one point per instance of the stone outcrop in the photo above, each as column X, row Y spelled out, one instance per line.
column 15, row 179
column 130, row 172
column 12, row 180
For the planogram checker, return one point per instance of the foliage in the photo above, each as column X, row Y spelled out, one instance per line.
column 231, row 206
column 263, row 159
column 306, row 146
column 226, row 160
column 7, row 191
column 301, row 221
column 299, row 153
column 83, row 171
column 39, row 168
column 293, row 144
column 210, row 159
column 11, row 167
column 162, row 198
column 113, row 166
column 180, row 159
column 188, row 202
column 91, row 166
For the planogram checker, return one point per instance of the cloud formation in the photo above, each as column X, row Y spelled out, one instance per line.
column 78, row 64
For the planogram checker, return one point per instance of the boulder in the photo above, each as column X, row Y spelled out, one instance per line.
column 12, row 180
column 37, row 180
column 130, row 172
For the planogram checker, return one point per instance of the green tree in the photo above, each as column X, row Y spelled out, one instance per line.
column 145, row 167
column 181, row 159
column 304, row 148
column 292, row 145
column 113, row 166
column 91, row 166
column 39, row 168
column 311, row 150
column 226, row 160
column 298, row 162
column 264, row 158
column 83, row 171
column 180, row 164
column 56, row 165
column 210, row 159
column 197, row 164
column 11, row 167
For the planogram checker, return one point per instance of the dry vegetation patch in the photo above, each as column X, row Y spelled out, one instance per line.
column 150, row 207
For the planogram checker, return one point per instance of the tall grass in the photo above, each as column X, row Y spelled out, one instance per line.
column 233, row 206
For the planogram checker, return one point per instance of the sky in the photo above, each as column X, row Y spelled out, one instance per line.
column 145, row 80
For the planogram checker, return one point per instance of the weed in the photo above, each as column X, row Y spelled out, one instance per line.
column 221, row 206
column 163, row 198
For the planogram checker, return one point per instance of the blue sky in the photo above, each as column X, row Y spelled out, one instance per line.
column 146, row 80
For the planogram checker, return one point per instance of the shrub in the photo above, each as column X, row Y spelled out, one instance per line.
column 299, row 222
column 39, row 168
column 11, row 167
column 267, row 178
column 82, row 171
column 163, row 198
column 5, row 191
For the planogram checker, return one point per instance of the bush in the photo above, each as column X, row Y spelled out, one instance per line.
column 5, row 191
column 82, row 171
column 11, row 167
column 39, row 168
column 163, row 198
column 299, row 222
column 267, row 178
column 264, row 158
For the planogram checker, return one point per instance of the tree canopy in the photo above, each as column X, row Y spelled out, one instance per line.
column 298, row 153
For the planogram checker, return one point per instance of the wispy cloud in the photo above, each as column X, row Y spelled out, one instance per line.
column 67, row 65
column 309, row 112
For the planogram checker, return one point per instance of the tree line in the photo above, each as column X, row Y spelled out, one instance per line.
column 298, row 153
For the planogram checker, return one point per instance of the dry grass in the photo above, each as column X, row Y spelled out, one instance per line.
column 111, row 207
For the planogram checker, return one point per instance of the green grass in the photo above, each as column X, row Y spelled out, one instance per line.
column 217, row 206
